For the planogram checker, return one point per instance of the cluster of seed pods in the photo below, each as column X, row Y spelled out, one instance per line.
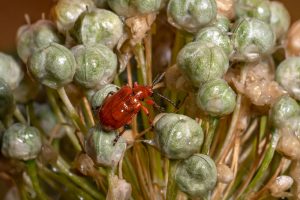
column 231, row 69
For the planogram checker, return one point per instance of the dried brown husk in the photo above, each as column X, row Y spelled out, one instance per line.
column 175, row 80
column 295, row 174
column 225, row 174
column 289, row 144
column 226, row 8
column 279, row 186
column 120, row 189
column 293, row 40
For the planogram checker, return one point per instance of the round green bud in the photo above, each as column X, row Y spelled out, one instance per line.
column 99, row 97
column 21, row 142
column 252, row 38
column 10, row 71
column 98, row 26
column 191, row 15
column 32, row 37
column 293, row 125
column 196, row 176
column 97, row 65
column 280, row 19
column 129, row 8
column 7, row 103
column 283, row 109
column 178, row 136
column 53, row 65
column 288, row 76
column 215, row 36
column 66, row 12
column 201, row 62
column 222, row 22
column 216, row 98
column 99, row 145
column 26, row 91
column 259, row 9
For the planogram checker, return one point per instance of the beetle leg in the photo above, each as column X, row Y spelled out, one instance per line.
column 135, row 84
column 118, row 136
column 146, row 111
column 150, row 102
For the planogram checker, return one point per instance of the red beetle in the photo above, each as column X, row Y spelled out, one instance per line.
column 119, row 108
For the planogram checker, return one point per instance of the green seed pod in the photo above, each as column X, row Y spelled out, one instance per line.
column 99, row 145
column 177, row 136
column 26, row 91
column 252, row 38
column 283, row 109
column 10, row 71
column 215, row 36
column 7, row 103
column 54, row 65
column 101, row 94
column 259, row 9
column 216, row 98
column 191, row 15
column 201, row 62
column 196, row 176
column 21, row 142
column 130, row 8
column 280, row 19
column 288, row 76
column 32, row 37
column 100, row 3
column 66, row 12
column 98, row 26
column 292, row 125
column 97, row 65
column 222, row 23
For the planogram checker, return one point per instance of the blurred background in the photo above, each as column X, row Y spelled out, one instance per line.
column 12, row 16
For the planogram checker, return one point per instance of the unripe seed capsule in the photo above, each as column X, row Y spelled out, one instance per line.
column 7, row 103
column 32, row 37
column 283, row 109
column 54, row 65
column 216, row 98
column 253, row 38
column 132, row 8
column 99, row 145
column 201, row 62
column 222, row 23
column 191, row 15
column 178, row 136
column 10, row 71
column 21, row 142
column 292, row 125
column 196, row 176
column 97, row 65
column 98, row 26
column 280, row 19
column 259, row 9
column 288, row 76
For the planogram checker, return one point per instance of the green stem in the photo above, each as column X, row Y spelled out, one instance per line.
column 213, row 123
column 172, row 187
column 264, row 165
column 72, row 111
column 32, row 172
column 81, row 182
column 19, row 116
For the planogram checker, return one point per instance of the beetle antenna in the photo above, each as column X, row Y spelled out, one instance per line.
column 158, row 78
column 166, row 98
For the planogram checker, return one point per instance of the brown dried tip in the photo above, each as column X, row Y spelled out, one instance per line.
column 289, row 145
column 175, row 80
column 280, row 185
column 295, row 174
column 120, row 189
column 226, row 8
column 293, row 40
column 225, row 174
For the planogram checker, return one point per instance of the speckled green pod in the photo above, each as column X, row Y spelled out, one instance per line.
column 288, row 76
column 283, row 109
column 21, row 142
column 201, row 62
column 99, row 97
column 196, row 176
column 129, row 8
column 216, row 98
column 10, row 71
column 26, row 91
column 99, row 145
column 97, row 65
column 215, row 36
column 53, row 65
column 98, row 26
column 259, row 9
column 280, row 19
column 293, row 125
column 191, row 15
column 66, row 12
column 178, row 136
column 7, row 102
column 221, row 22
column 252, row 38
column 32, row 37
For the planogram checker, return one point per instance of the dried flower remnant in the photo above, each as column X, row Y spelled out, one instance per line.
column 225, row 174
column 293, row 40
column 289, row 145
column 280, row 185
column 175, row 80
column 295, row 174
column 120, row 189
column 226, row 8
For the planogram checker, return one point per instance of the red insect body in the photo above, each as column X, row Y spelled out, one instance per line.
column 119, row 108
